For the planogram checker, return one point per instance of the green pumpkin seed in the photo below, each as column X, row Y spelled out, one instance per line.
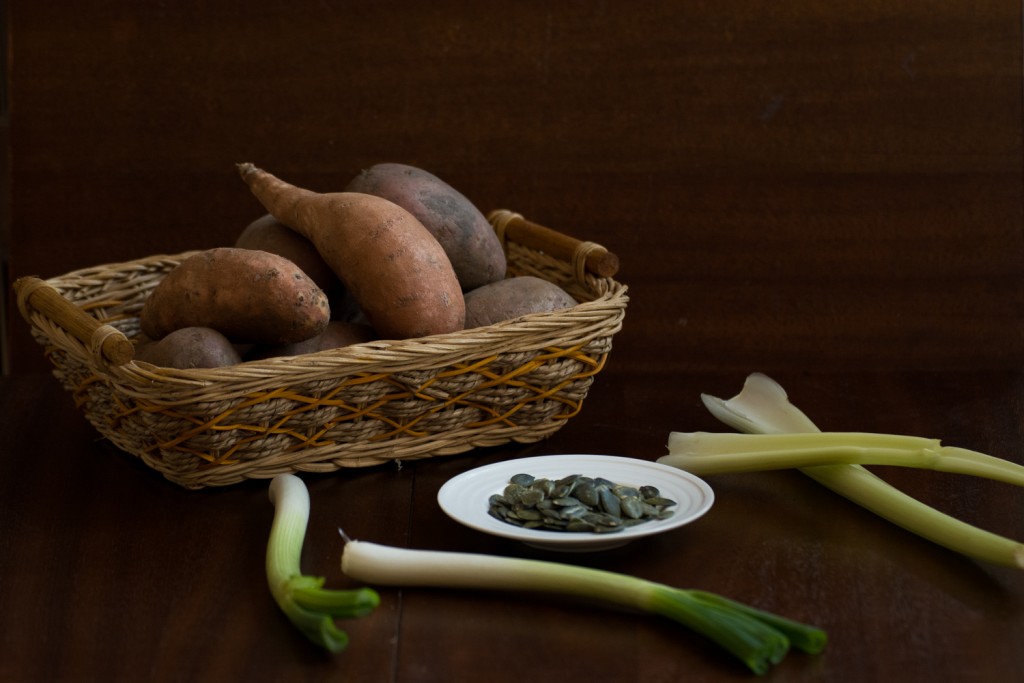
column 577, row 503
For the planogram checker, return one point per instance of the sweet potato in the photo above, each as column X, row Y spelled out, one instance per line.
column 189, row 347
column 463, row 231
column 513, row 297
column 395, row 269
column 269, row 234
column 248, row 296
column 337, row 335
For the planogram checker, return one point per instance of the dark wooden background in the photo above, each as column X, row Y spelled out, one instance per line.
column 791, row 184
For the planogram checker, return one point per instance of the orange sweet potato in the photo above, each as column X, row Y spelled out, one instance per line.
column 463, row 231
column 248, row 296
column 394, row 268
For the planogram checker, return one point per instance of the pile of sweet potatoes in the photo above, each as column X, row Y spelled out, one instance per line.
column 397, row 254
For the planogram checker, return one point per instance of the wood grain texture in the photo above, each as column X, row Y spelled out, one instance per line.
column 783, row 183
column 111, row 573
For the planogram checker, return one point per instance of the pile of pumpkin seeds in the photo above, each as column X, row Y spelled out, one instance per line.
column 577, row 503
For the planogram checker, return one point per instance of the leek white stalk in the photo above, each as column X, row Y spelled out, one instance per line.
column 763, row 408
column 308, row 605
column 759, row 639
column 746, row 452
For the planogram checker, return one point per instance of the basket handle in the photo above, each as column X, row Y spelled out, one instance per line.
column 104, row 340
column 595, row 258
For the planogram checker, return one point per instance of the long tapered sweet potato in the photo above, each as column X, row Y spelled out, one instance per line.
column 397, row 271
column 249, row 296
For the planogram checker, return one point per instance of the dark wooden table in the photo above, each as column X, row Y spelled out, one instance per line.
column 831, row 195
column 111, row 573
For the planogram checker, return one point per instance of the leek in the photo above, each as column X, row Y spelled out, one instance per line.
column 305, row 602
column 746, row 452
column 778, row 434
column 759, row 639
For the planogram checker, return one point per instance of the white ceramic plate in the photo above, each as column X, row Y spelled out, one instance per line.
column 465, row 497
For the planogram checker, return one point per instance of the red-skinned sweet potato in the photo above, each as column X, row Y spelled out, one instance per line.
column 513, row 297
column 189, row 347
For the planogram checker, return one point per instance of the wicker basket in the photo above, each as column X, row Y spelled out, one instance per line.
column 359, row 406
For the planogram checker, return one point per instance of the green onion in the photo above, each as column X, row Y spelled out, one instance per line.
column 779, row 435
column 303, row 599
column 759, row 639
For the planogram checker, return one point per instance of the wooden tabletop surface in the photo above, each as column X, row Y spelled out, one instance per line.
column 830, row 196
column 112, row 573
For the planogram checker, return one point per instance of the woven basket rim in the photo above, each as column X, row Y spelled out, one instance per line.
column 382, row 355
column 534, row 330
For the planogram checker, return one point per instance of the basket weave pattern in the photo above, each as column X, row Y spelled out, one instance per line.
column 360, row 406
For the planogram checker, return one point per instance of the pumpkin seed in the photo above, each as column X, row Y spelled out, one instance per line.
column 577, row 503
